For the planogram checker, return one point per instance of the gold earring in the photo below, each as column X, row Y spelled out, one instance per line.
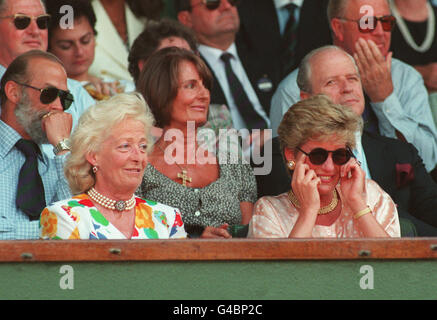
column 291, row 165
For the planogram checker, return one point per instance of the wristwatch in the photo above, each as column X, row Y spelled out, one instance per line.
column 62, row 146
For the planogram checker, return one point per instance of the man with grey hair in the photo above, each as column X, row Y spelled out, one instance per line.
column 34, row 96
column 398, row 105
column 393, row 164
column 23, row 27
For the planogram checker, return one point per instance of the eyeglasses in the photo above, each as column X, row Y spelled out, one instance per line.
column 49, row 94
column 214, row 4
column 22, row 21
column 318, row 156
column 367, row 24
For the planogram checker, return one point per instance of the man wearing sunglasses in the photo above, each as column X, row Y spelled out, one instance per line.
column 244, row 84
column 23, row 27
column 381, row 158
column 397, row 103
column 33, row 97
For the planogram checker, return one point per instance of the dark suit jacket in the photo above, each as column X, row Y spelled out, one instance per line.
column 255, row 71
column 416, row 201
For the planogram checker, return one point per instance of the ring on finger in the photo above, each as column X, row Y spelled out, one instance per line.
column 48, row 114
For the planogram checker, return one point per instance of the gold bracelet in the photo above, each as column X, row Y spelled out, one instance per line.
column 362, row 213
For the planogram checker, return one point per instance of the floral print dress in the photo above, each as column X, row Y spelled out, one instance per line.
column 78, row 218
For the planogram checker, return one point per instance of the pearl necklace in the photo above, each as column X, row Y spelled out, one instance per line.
column 430, row 30
column 107, row 203
column 323, row 210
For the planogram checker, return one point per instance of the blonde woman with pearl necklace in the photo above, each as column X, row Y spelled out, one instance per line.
column 109, row 152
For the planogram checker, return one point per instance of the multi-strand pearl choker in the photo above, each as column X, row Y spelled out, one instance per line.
column 107, row 203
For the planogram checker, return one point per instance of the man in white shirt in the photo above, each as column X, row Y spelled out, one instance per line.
column 23, row 27
column 216, row 26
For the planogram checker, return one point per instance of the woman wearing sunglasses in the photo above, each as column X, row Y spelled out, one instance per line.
column 329, row 195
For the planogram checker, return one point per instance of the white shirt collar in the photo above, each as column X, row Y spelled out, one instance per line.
column 211, row 53
column 280, row 3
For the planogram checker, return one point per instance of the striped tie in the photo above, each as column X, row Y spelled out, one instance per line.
column 30, row 192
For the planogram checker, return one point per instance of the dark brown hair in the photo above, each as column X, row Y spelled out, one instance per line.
column 149, row 40
column 159, row 80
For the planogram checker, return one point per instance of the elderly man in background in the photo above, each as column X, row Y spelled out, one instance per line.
column 23, row 27
column 397, row 105
column 393, row 164
column 33, row 96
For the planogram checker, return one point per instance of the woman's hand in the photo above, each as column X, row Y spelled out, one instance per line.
column 304, row 185
column 216, row 233
column 353, row 185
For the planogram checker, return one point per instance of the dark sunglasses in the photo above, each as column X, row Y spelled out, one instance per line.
column 22, row 21
column 214, row 4
column 387, row 22
column 49, row 94
column 318, row 156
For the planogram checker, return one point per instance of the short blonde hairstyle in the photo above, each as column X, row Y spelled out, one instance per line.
column 318, row 118
column 94, row 127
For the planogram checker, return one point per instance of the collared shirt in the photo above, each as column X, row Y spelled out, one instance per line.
column 82, row 101
column 212, row 56
column 406, row 110
column 14, row 224
column 284, row 14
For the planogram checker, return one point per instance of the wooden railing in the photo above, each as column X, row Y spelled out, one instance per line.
column 235, row 249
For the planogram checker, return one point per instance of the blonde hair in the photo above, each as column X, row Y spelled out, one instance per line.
column 94, row 127
column 317, row 118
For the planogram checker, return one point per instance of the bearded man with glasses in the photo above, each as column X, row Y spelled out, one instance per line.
column 34, row 96
column 397, row 103
column 23, row 27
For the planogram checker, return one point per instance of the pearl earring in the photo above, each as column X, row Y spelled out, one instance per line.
column 95, row 169
column 291, row 165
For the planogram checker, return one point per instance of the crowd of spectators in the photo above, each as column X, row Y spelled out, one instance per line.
column 149, row 119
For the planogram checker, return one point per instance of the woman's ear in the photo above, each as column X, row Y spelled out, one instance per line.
column 91, row 157
column 289, row 154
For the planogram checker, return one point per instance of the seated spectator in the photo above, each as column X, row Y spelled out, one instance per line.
column 330, row 195
column 109, row 150
column 211, row 194
column 75, row 48
column 397, row 103
column 170, row 33
column 34, row 96
column 117, row 27
column 394, row 164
